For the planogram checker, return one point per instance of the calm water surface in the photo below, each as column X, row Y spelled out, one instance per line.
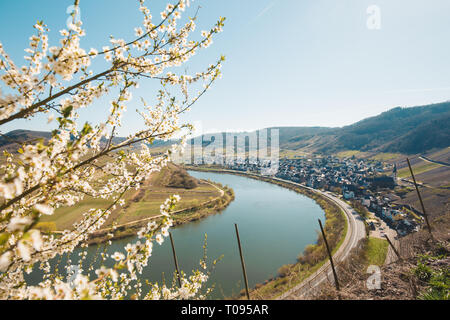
column 275, row 225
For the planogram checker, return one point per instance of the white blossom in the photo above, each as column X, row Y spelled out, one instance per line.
column 5, row 260
column 44, row 209
column 70, row 165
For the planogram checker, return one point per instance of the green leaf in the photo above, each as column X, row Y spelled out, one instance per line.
column 86, row 129
column 4, row 238
column 67, row 110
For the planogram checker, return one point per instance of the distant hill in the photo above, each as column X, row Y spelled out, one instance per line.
column 402, row 130
column 13, row 140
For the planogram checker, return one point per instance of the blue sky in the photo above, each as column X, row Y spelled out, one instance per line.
column 289, row 62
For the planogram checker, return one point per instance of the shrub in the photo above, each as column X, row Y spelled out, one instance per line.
column 284, row 271
column 423, row 272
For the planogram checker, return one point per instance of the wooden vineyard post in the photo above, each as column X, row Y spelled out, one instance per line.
column 330, row 256
column 392, row 246
column 175, row 260
column 420, row 197
column 242, row 262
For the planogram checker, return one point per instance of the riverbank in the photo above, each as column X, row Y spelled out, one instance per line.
column 181, row 216
column 314, row 255
column 275, row 223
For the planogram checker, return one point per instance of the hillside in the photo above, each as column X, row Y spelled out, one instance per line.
column 404, row 130
column 410, row 130
column 400, row 130
column 423, row 273
column 140, row 204
column 13, row 140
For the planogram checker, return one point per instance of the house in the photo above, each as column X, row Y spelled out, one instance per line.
column 366, row 201
column 349, row 195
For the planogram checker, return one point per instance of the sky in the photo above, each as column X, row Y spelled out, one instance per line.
column 288, row 62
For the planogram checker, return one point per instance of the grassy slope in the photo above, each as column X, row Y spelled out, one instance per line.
column 139, row 204
column 154, row 196
column 422, row 273
column 435, row 179
column 349, row 153
column 384, row 156
column 376, row 251
column 418, row 168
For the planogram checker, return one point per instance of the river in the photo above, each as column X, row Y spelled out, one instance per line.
column 275, row 225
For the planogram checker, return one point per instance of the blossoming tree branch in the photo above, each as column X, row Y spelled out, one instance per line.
column 82, row 159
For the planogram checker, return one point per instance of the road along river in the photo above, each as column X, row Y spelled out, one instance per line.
column 275, row 225
column 355, row 232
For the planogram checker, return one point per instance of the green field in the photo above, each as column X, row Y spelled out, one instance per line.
column 376, row 251
column 140, row 204
column 290, row 154
column 381, row 156
column 384, row 156
column 349, row 153
column 150, row 204
column 419, row 168
column 65, row 217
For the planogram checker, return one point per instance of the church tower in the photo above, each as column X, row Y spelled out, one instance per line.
column 394, row 173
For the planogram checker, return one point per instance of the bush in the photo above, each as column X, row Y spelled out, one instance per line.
column 181, row 179
column 284, row 271
column 423, row 272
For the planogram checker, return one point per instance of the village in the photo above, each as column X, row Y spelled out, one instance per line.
column 368, row 184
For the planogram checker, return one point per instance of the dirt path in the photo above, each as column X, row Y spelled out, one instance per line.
column 434, row 161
